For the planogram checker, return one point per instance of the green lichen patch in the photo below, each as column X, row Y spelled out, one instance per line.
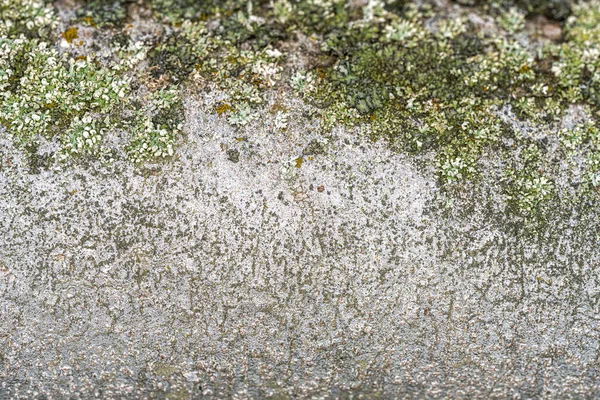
column 32, row 18
column 195, row 53
column 155, row 130
column 56, row 95
column 77, row 100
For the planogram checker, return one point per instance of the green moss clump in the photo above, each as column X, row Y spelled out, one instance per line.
column 411, row 87
column 177, row 56
column 578, row 58
column 104, row 13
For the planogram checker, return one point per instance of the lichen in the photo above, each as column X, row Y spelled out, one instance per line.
column 49, row 94
column 78, row 99
column 32, row 18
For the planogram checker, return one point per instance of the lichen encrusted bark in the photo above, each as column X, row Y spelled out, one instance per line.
column 299, row 199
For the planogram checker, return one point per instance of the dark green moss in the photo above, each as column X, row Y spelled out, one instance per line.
column 194, row 10
column 103, row 13
column 382, row 83
column 314, row 148
column 558, row 10
column 176, row 57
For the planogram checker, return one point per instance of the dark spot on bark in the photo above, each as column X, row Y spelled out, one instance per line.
column 233, row 155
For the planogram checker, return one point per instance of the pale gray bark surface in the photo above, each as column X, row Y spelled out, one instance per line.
column 202, row 277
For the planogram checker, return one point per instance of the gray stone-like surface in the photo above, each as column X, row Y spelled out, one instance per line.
column 204, row 277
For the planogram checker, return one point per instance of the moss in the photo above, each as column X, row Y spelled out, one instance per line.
column 576, row 61
column 176, row 57
column 411, row 95
column 103, row 13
